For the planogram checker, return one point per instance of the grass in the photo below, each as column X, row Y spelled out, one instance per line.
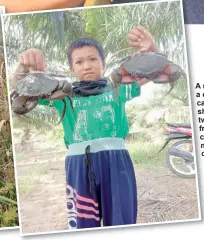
column 8, row 200
column 146, row 154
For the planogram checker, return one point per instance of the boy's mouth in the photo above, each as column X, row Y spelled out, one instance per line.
column 89, row 73
column 89, row 76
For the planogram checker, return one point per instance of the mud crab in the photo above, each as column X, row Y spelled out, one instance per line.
column 152, row 66
column 38, row 85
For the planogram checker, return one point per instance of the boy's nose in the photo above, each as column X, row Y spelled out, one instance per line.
column 87, row 66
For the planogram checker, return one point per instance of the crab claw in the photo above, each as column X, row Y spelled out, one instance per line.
column 64, row 89
column 128, row 79
column 170, row 74
column 21, row 105
column 175, row 73
column 116, row 77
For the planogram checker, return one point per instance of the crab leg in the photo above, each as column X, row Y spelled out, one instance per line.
column 63, row 111
column 57, row 95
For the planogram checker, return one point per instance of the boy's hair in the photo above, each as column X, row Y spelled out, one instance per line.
column 84, row 42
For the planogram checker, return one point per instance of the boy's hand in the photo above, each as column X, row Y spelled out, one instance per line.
column 34, row 59
column 30, row 59
column 140, row 38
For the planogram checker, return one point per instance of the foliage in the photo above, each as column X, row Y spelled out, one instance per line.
column 8, row 201
column 53, row 31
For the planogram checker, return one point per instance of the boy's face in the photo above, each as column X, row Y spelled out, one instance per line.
column 87, row 64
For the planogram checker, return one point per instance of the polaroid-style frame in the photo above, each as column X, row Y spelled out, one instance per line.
column 33, row 181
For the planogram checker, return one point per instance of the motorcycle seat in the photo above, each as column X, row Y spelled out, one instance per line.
column 184, row 125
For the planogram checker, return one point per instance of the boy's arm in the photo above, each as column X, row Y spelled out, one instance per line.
column 26, row 5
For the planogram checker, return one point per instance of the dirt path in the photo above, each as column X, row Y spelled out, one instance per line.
column 41, row 181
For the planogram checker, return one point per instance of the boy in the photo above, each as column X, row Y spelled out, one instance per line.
column 100, row 176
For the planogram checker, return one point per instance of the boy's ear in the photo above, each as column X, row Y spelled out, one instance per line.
column 72, row 71
column 104, row 65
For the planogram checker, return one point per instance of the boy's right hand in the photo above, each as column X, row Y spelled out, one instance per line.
column 33, row 59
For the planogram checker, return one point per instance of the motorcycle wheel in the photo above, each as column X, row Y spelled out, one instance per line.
column 174, row 168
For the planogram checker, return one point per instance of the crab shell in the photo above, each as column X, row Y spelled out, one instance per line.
column 145, row 64
column 36, row 85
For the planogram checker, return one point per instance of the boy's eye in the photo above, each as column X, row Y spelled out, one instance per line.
column 93, row 59
column 79, row 62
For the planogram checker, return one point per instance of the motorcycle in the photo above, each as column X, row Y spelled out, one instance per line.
column 180, row 156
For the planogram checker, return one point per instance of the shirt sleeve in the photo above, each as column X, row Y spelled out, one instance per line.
column 46, row 102
column 129, row 91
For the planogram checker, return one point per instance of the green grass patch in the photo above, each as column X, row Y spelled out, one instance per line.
column 145, row 153
column 8, row 199
column 9, row 216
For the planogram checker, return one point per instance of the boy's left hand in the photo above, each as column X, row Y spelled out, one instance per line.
column 141, row 39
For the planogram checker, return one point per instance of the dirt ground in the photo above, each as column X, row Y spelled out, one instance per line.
column 162, row 196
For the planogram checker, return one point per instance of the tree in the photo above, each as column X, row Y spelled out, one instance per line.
column 53, row 31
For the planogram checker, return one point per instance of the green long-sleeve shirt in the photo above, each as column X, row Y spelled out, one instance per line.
column 95, row 117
